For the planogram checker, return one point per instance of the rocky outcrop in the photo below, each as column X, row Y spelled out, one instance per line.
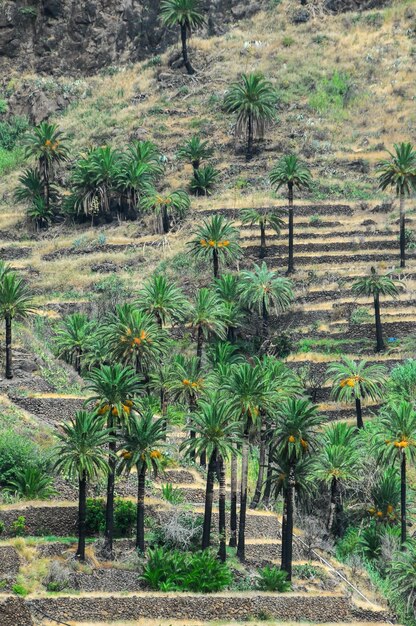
column 71, row 37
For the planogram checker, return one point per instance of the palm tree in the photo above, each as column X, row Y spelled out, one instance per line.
column 141, row 442
column 337, row 464
column 207, row 318
column 194, row 151
column 295, row 437
column 47, row 145
column 166, row 207
column 81, row 455
column 352, row 380
column 72, row 338
column 399, row 172
column 375, row 285
column 397, row 441
column 113, row 389
column 290, row 171
column 263, row 290
column 31, row 190
column 253, row 98
column 217, row 432
column 163, row 299
column 133, row 336
column 263, row 219
column 186, row 14
column 250, row 396
column 403, row 575
column 228, row 289
column 385, row 495
column 15, row 302
column 216, row 239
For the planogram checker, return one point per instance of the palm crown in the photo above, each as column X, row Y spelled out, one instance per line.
column 208, row 314
column 290, row 171
column 375, row 284
column 73, row 337
column 216, row 239
column 113, row 388
column 262, row 288
column 352, row 379
column 297, row 422
column 15, row 298
column 163, row 299
column 194, row 151
column 399, row 171
column 47, row 144
column 142, row 443
column 183, row 12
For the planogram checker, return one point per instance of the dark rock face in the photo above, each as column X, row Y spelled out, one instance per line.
column 82, row 36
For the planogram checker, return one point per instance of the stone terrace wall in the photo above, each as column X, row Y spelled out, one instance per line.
column 43, row 520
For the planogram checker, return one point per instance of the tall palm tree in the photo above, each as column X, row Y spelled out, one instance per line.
column 207, row 318
column 399, row 172
column 376, row 285
column 47, row 144
column 250, row 395
column 356, row 381
column 290, row 171
column 194, row 151
column 253, row 98
column 217, row 432
column 337, row 464
column 142, row 440
column 15, row 302
column 113, row 390
column 133, row 337
column 166, row 207
column 73, row 337
column 397, row 442
column 81, row 455
column 186, row 14
column 216, row 240
column 264, row 290
column 263, row 219
column 163, row 299
column 296, row 434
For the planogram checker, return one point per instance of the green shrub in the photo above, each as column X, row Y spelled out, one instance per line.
column 171, row 570
column 31, row 483
column 2, row 527
column 402, row 383
column 95, row 520
column 124, row 517
column 18, row 527
column 273, row 579
column 360, row 316
column 204, row 180
column 287, row 41
column 11, row 131
column 15, row 450
column 331, row 93
column 306, row 571
column 20, row 590
column 172, row 494
column 347, row 546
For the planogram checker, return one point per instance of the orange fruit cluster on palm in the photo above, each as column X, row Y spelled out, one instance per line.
column 137, row 341
column 350, row 382
column 212, row 243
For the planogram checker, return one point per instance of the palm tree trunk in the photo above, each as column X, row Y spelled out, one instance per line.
column 78, row 361
column 186, row 61
column 140, row 508
column 233, row 509
column 215, row 262
column 222, row 553
column 332, row 524
column 290, row 265
column 268, row 487
column 262, row 240
column 358, row 410
column 284, row 527
column 199, row 345
column 249, row 138
column 192, row 433
column 82, row 516
column 379, row 331
column 109, row 510
column 209, row 497
column 165, row 219
column 241, row 548
column 402, row 232
column 265, row 318
column 9, row 364
column 262, row 466
column 287, row 536
column 403, row 504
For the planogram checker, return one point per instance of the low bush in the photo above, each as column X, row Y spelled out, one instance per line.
column 15, row 450
column 31, row 483
column 273, row 579
column 172, row 494
column 18, row 528
column 124, row 516
column 171, row 570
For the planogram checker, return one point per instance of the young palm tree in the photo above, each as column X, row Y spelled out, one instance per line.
column 216, row 240
column 263, row 290
column 113, row 389
column 250, row 396
column 141, row 442
column 15, row 302
column 163, row 299
column 290, row 171
column 376, row 285
column 81, row 455
column 47, row 145
column 254, row 217
column 385, row 495
column 297, row 423
column 166, row 207
column 356, row 381
column 133, row 336
column 253, row 98
column 397, row 442
column 217, row 432
column 194, row 151
column 403, row 575
column 208, row 319
column 31, row 190
column 337, row 464
column 186, row 14
column 399, row 172
column 73, row 337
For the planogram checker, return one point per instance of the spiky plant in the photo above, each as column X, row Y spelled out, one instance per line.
column 194, row 151
column 207, row 317
column 263, row 219
column 216, row 240
column 31, row 191
column 253, row 99
column 204, row 180
column 73, row 337
column 166, row 208
column 292, row 173
column 187, row 15
column 162, row 299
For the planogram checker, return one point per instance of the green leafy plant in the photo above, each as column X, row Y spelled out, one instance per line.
column 18, row 527
column 20, row 590
column 273, row 579
column 32, row 483
column 204, row 180
column 171, row 494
